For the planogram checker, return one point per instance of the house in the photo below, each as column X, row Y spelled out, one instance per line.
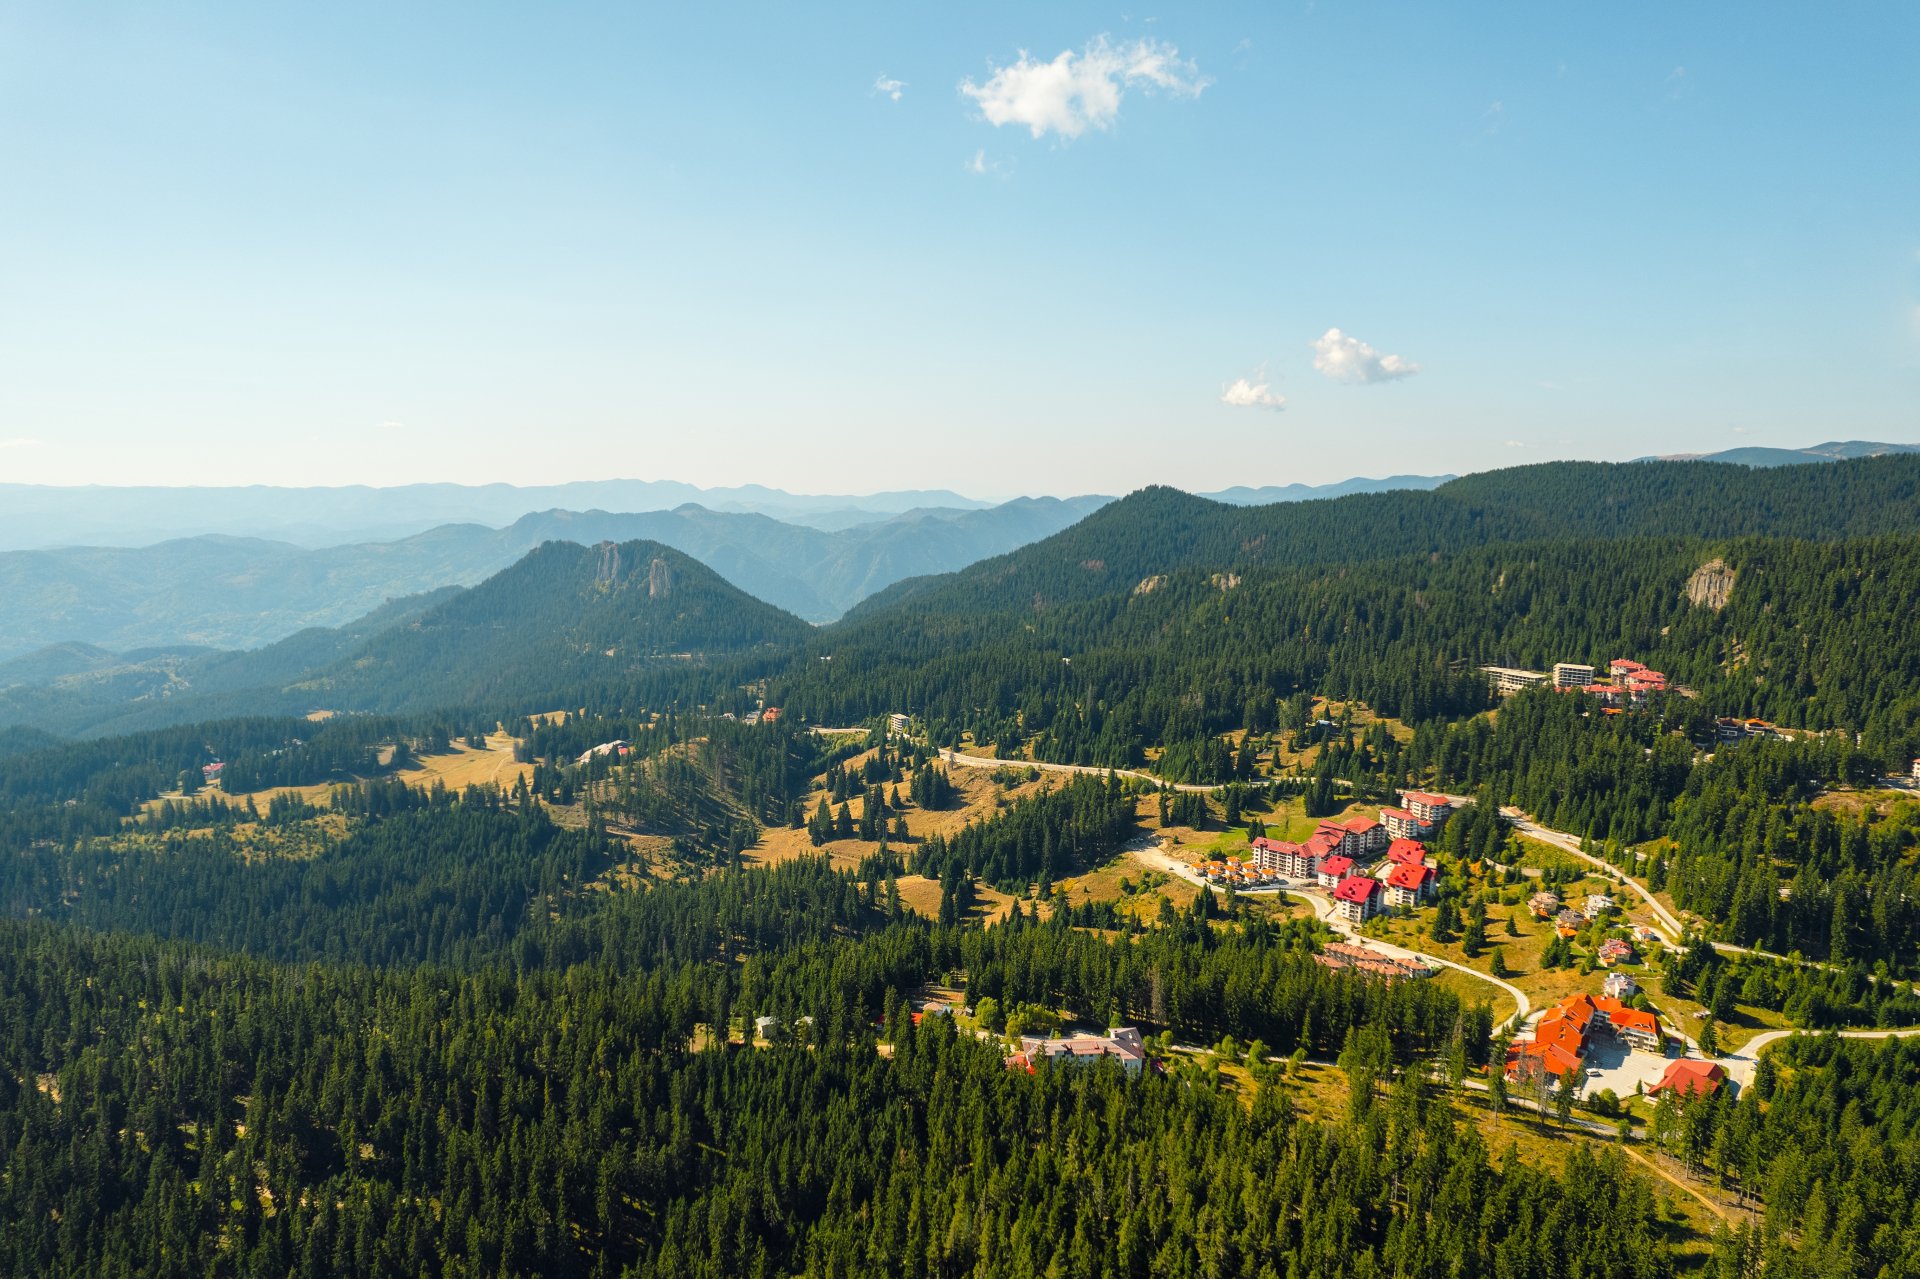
column 771, row 715
column 1357, row 897
column 1511, row 679
column 1690, row 1078
column 1645, row 936
column 1572, row 675
column 1400, row 823
column 1409, row 884
column 1432, row 810
column 211, row 772
column 767, row 1027
column 1123, row 1044
column 1597, row 904
column 1616, row 951
column 1543, row 904
column 1567, row 923
column 1407, row 852
column 616, row 747
column 1333, row 870
column 1620, row 986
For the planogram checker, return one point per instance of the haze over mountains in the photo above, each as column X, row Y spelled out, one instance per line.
column 533, row 627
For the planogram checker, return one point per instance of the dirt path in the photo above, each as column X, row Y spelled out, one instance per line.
column 980, row 761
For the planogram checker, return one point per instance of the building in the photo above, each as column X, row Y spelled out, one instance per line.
column 1544, row 904
column 1620, row 986
column 1615, row 951
column 1916, row 770
column 1620, row 667
column 1333, row 869
column 1689, row 1077
column 1567, row 923
column 771, row 715
column 1597, row 904
column 1357, row 897
column 1572, row 675
column 1432, row 810
column 1408, row 884
column 897, row 722
column 211, row 772
column 1122, row 1044
column 1400, row 823
column 766, row 1027
column 1359, row 837
column 1407, row 852
column 1507, row 680
column 616, row 747
column 1348, row 955
column 1561, row 1038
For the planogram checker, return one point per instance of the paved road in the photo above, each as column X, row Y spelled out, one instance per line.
column 1668, row 927
column 1160, row 859
column 981, row 761
column 1742, row 1064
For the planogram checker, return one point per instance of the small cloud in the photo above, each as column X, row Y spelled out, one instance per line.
column 393, row 426
column 1493, row 118
column 1738, row 430
column 1516, row 444
column 1676, row 83
column 20, row 442
column 891, row 88
column 1080, row 91
column 1348, row 359
column 980, row 166
column 1252, row 393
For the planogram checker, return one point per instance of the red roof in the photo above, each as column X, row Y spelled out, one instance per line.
column 1323, row 843
column 1356, row 888
column 1412, row 878
column 1421, row 797
column 1335, row 865
column 1687, row 1077
column 1623, row 664
column 1401, row 813
column 1410, row 852
column 1359, row 825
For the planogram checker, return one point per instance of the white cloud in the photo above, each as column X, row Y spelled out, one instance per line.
column 391, row 425
column 1252, row 393
column 20, row 442
column 1348, row 359
column 980, row 166
column 1516, row 444
column 1080, row 91
column 892, row 88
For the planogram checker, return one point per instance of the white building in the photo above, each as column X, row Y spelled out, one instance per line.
column 1572, row 675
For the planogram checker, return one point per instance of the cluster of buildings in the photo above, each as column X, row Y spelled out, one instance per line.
column 1566, row 1032
column 1627, row 683
column 1122, row 1044
column 1347, row 955
column 1337, row 851
column 1729, row 729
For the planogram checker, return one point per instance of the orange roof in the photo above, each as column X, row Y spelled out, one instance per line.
column 1408, row 851
column 1357, row 888
column 1688, row 1077
column 1336, row 865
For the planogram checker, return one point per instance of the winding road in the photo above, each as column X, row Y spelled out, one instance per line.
column 952, row 756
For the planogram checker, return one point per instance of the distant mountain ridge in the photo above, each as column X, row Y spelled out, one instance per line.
column 1757, row 455
column 227, row 592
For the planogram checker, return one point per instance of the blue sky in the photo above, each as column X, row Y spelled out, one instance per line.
column 384, row 243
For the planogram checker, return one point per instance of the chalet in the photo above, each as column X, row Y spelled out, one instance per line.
column 1567, row 923
column 1333, row 870
column 1357, row 897
column 1689, row 1077
column 1122, row 1044
column 1433, row 810
column 1408, row 884
column 211, row 772
column 1402, row 824
column 1614, row 950
column 1620, row 986
column 1598, row 904
column 1543, row 904
column 1407, row 852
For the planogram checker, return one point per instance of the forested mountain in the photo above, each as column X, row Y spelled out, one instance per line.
column 1831, row 451
column 228, row 592
column 1157, row 530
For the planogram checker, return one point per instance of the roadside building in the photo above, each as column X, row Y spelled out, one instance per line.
column 1689, row 1077
column 1616, row 951
column 1357, row 898
column 1544, row 904
column 1620, row 986
column 1598, row 904
column 1122, row 1044
column 1431, row 810
column 1407, row 852
column 1400, row 823
column 1334, row 869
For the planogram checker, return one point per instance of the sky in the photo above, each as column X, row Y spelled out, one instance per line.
column 1001, row 249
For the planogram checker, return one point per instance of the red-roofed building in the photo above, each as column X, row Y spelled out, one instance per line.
column 1408, row 884
column 1402, row 824
column 1407, row 852
column 1431, row 809
column 1690, row 1078
column 1357, row 898
column 1364, row 836
column 1333, row 870
column 1276, row 854
column 1622, row 666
